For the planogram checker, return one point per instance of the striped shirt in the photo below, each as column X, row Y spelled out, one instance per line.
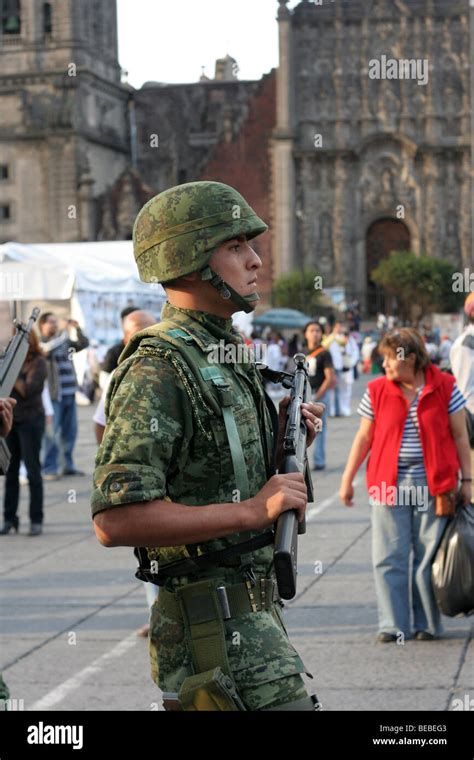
column 59, row 351
column 410, row 456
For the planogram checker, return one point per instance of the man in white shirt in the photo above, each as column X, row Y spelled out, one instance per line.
column 462, row 363
column 345, row 355
column 334, row 348
column 132, row 323
column 462, row 356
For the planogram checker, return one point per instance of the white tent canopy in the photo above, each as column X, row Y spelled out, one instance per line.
column 52, row 270
column 92, row 282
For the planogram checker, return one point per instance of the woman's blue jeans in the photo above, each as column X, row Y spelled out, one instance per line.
column 404, row 540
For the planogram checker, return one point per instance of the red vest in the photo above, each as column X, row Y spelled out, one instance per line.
column 439, row 449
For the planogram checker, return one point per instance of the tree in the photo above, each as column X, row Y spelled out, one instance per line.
column 421, row 284
column 294, row 291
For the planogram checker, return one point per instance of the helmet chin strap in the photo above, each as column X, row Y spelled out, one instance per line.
column 245, row 303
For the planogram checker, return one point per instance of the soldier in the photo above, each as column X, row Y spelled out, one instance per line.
column 188, row 460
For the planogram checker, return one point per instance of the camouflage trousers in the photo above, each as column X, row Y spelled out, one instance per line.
column 266, row 668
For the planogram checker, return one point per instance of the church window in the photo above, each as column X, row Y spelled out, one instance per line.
column 11, row 16
column 4, row 171
column 5, row 214
column 47, row 18
column 98, row 22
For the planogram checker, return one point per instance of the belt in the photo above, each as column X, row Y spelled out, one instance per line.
column 226, row 557
column 238, row 599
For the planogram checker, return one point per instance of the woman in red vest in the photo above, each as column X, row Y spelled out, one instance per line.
column 413, row 425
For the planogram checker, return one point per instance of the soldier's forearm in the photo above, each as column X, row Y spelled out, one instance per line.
column 166, row 523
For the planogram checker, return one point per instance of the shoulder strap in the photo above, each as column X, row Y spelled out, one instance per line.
column 238, row 462
column 206, row 374
column 316, row 352
column 183, row 342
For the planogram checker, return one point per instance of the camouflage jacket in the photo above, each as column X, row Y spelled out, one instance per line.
column 163, row 442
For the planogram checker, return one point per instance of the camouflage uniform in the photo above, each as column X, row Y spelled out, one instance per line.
column 163, row 441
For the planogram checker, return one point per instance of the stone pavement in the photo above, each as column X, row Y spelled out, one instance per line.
column 69, row 609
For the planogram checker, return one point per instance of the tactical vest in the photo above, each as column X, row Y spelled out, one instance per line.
column 211, row 397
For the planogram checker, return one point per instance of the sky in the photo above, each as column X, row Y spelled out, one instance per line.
column 170, row 40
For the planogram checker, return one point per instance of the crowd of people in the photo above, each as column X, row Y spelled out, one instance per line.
column 44, row 425
column 412, row 429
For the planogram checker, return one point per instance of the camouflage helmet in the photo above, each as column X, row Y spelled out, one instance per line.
column 177, row 231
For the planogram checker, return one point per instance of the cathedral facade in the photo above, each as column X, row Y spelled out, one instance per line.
column 358, row 144
column 63, row 117
column 372, row 145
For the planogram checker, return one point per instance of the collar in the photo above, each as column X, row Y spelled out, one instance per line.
column 205, row 327
column 208, row 330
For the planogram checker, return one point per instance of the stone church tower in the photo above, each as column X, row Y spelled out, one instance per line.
column 364, row 165
column 64, row 124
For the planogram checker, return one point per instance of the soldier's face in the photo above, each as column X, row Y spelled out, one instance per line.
column 238, row 264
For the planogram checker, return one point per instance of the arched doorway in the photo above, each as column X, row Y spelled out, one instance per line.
column 383, row 236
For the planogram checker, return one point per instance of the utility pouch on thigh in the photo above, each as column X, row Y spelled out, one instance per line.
column 211, row 691
column 205, row 626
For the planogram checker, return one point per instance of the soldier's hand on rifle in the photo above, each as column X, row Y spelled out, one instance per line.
column 280, row 493
column 6, row 415
column 312, row 413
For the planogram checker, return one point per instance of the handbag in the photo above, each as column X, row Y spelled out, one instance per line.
column 453, row 565
column 470, row 427
column 445, row 504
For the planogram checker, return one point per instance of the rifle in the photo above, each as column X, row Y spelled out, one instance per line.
column 295, row 460
column 11, row 362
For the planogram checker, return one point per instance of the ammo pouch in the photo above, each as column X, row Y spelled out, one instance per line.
column 212, row 687
column 209, row 691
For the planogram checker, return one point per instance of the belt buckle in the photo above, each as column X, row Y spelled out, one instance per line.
column 251, row 596
column 263, row 604
column 250, row 584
